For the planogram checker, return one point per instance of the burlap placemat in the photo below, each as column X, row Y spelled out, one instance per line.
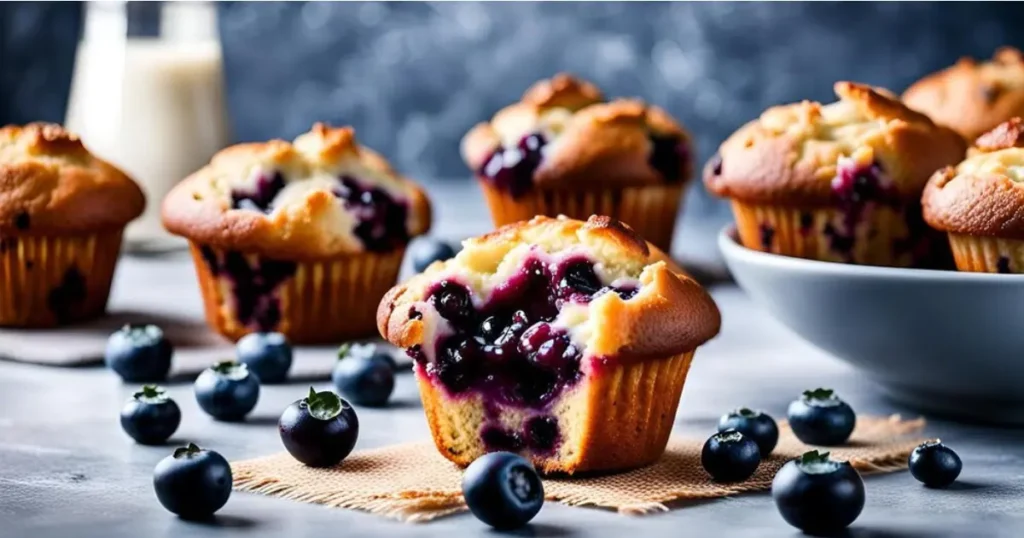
column 413, row 483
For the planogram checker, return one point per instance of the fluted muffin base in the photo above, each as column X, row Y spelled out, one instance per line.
column 322, row 301
column 987, row 254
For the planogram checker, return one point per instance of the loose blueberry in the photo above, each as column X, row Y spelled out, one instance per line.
column 427, row 251
column 503, row 490
column 139, row 354
column 268, row 356
column 820, row 418
column 227, row 391
column 730, row 456
column 364, row 379
column 754, row 425
column 193, row 482
column 319, row 430
column 150, row 416
column 935, row 464
column 817, row 494
column 368, row 350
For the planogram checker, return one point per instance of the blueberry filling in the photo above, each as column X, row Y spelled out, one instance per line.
column 1003, row 265
column 267, row 188
column 508, row 349
column 22, row 220
column 381, row 219
column 254, row 286
column 715, row 163
column 767, row 234
column 511, row 168
column 668, row 156
column 542, row 433
column 806, row 222
column 498, row 439
column 67, row 296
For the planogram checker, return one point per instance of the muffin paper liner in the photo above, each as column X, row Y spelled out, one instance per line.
column 620, row 416
column 47, row 281
column 326, row 301
column 410, row 482
column 987, row 254
column 884, row 235
column 650, row 210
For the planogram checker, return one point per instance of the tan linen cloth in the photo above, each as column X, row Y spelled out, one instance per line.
column 414, row 483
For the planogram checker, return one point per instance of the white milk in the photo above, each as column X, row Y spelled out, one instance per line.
column 153, row 106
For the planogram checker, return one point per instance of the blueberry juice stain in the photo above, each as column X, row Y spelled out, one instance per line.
column 509, row 352
column 381, row 219
column 254, row 286
column 856, row 191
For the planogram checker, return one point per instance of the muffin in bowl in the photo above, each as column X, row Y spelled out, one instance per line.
column 972, row 97
column 980, row 202
column 839, row 182
column 301, row 238
column 565, row 341
column 563, row 150
column 62, row 214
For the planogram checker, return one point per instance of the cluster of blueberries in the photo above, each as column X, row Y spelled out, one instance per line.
column 318, row 430
column 814, row 493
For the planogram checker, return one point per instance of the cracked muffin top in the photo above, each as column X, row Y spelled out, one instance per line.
column 791, row 153
column 972, row 97
column 321, row 195
column 563, row 133
column 984, row 194
column 594, row 288
column 50, row 183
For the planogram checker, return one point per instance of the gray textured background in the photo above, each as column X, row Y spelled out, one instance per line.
column 413, row 77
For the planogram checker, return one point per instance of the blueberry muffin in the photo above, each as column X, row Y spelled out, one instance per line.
column 62, row 213
column 563, row 150
column 972, row 97
column 301, row 238
column 980, row 203
column 840, row 182
column 567, row 342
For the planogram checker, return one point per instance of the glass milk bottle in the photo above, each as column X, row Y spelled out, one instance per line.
column 148, row 95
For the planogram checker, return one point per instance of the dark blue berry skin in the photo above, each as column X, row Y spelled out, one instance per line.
column 150, row 417
column 268, row 355
column 317, row 442
column 821, row 418
column 822, row 501
column 503, row 490
column 193, row 482
column 427, row 251
column 227, row 391
column 754, row 425
column 935, row 465
column 364, row 380
column 139, row 354
column 730, row 456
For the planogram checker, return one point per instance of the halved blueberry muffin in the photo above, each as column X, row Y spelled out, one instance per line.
column 563, row 150
column 840, row 182
column 62, row 213
column 565, row 341
column 972, row 97
column 980, row 202
column 301, row 238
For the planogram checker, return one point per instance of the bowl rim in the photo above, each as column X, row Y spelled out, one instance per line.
column 730, row 247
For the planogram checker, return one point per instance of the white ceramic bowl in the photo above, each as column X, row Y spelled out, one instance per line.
column 941, row 341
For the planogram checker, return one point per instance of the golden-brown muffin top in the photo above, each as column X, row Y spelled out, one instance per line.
column 657, row 311
column 320, row 196
column 984, row 194
column 583, row 139
column 972, row 97
column 50, row 183
column 792, row 152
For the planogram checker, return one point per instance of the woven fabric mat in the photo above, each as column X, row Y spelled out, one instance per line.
column 413, row 483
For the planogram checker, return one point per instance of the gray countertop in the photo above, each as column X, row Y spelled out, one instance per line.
column 67, row 469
